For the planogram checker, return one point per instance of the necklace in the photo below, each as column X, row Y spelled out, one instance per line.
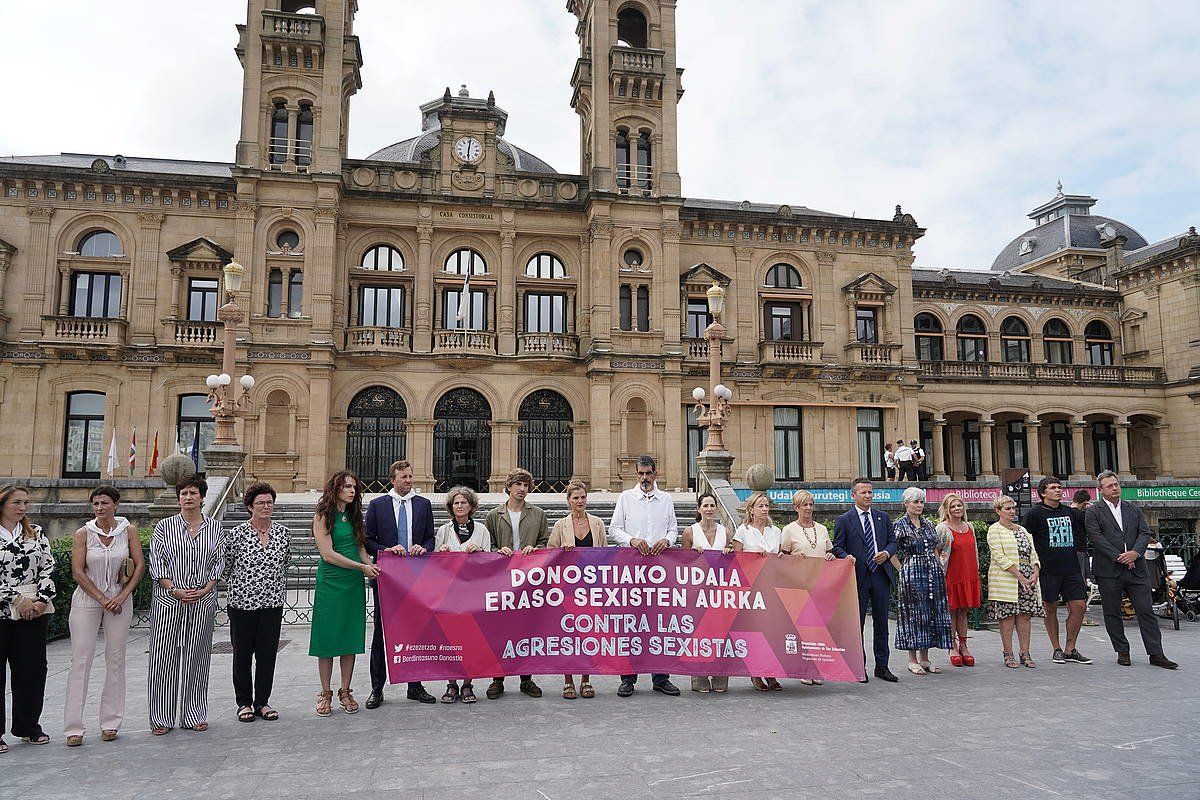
column 810, row 534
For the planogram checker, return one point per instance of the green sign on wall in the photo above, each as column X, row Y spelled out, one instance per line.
column 1160, row 493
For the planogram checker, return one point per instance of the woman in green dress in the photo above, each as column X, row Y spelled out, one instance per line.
column 339, row 620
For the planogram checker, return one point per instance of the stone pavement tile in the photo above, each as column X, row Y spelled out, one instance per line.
column 465, row 773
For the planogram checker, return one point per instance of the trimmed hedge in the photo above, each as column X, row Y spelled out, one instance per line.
column 65, row 582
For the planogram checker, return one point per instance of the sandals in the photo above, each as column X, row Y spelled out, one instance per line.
column 267, row 713
column 569, row 692
column 347, row 701
column 1027, row 661
column 916, row 669
column 586, row 691
column 199, row 727
column 1010, row 661
column 160, row 731
column 108, row 735
column 759, row 685
column 3, row 746
column 467, row 695
column 930, row 668
column 74, row 741
column 451, row 693
column 245, row 714
column 324, row 702
column 41, row 738
column 774, row 685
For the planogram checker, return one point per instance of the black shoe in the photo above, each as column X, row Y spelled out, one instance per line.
column 1123, row 659
column 421, row 696
column 1059, row 657
column 667, row 688
column 530, row 688
column 626, row 689
column 375, row 699
column 885, row 674
column 1077, row 657
column 495, row 689
column 1164, row 662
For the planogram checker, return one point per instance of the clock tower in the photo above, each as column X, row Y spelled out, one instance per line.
column 470, row 133
column 627, row 89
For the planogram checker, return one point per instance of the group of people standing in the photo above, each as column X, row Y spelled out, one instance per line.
column 1035, row 564
column 905, row 462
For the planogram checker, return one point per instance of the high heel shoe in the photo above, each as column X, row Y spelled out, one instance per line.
column 968, row 659
column 956, row 659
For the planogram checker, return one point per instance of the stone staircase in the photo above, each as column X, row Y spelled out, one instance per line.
column 297, row 517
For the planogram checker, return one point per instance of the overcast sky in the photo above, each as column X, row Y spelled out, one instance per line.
column 967, row 113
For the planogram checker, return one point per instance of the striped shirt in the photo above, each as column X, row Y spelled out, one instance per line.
column 188, row 562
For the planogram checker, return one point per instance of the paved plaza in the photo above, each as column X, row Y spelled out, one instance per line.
column 1102, row 732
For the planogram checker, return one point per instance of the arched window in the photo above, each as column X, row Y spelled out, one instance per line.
column 644, row 169
column 83, row 442
column 277, row 147
column 382, row 257
column 275, row 293
column 631, row 28
column 295, row 293
column 623, row 169
column 545, row 265
column 288, row 240
column 972, row 339
column 101, row 244
column 930, row 339
column 637, row 423
column 1014, row 341
column 545, row 440
column 1056, row 337
column 466, row 261
column 784, row 276
column 1099, row 344
column 278, row 422
column 376, row 436
column 304, row 135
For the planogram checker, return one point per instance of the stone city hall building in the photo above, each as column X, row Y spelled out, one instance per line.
column 576, row 342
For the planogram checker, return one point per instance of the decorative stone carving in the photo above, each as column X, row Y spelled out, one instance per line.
column 527, row 187
column 826, row 256
column 468, row 181
column 363, row 176
column 567, row 190
column 405, row 179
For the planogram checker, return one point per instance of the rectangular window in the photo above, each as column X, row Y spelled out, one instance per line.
column 972, row 453
column 1100, row 354
column 474, row 315
column 870, row 443
column 929, row 348
column 698, row 317
column 972, row 348
column 1061, row 455
column 84, row 440
column 789, row 445
column 866, row 325
column 95, row 294
column 785, row 322
column 202, row 300
column 625, row 307
column 381, row 306
column 643, row 308
column 275, row 294
column 545, row 313
column 697, row 438
column 1058, row 351
column 1015, row 351
column 196, row 429
column 1104, row 446
column 1015, row 433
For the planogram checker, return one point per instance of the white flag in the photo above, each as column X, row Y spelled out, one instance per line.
column 112, row 455
column 464, row 298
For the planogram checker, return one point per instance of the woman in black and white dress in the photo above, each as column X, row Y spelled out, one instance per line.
column 462, row 534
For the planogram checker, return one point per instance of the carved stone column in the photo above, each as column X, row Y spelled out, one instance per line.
column 506, row 316
column 318, row 281
column 986, row 446
column 1033, row 449
column 1164, row 452
column 602, row 442
column 600, row 233
column 1124, row 465
column 504, row 452
column 420, row 452
column 939, row 452
column 39, row 264
column 423, row 299
column 666, row 285
column 144, row 284
column 1078, row 454
column 6, row 252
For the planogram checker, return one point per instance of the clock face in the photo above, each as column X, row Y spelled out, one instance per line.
column 468, row 149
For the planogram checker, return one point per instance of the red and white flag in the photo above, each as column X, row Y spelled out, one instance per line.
column 133, row 452
column 153, row 456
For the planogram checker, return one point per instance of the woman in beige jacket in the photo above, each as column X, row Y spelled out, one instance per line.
column 1013, row 595
column 578, row 529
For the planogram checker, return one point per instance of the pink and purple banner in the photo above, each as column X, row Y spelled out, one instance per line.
column 613, row 611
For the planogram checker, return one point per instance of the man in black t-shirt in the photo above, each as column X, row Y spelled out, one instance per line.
column 1057, row 536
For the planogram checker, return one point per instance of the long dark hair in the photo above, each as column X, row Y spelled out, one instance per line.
column 327, row 505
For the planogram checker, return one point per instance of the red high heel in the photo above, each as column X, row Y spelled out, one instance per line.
column 967, row 659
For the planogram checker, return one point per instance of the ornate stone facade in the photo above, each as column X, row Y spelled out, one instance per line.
column 577, row 343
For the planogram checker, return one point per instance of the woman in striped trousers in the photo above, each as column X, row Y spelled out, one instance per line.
column 187, row 555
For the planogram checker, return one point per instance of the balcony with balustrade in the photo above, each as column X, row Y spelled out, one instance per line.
column 1001, row 371
column 194, row 333
column 64, row 332
column 464, row 343
column 872, row 354
column 286, row 27
column 548, row 345
column 368, row 340
column 789, row 352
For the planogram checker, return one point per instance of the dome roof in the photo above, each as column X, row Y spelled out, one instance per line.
column 1066, row 222
column 414, row 149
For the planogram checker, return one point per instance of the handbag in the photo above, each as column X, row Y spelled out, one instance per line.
column 29, row 592
column 125, row 574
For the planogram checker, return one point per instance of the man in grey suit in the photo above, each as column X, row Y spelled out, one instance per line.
column 1119, row 535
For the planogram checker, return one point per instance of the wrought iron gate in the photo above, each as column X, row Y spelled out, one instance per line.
column 462, row 440
column 376, row 436
column 546, row 440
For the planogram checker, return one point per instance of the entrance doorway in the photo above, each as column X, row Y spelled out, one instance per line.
column 462, row 440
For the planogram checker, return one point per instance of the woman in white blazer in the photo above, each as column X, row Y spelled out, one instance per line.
column 462, row 534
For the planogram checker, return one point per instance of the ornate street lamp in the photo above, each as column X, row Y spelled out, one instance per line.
column 227, row 404
column 718, row 409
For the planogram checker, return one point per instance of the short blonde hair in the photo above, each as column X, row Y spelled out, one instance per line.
column 576, row 486
column 1001, row 501
column 802, row 495
column 466, row 492
column 944, row 508
column 751, row 500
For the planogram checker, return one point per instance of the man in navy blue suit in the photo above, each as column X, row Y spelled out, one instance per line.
column 866, row 537
column 400, row 522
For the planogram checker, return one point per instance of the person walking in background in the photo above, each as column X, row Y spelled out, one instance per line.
column 904, row 462
column 187, row 556
column 27, row 594
column 707, row 534
column 400, row 522
column 889, row 463
column 1080, row 501
column 963, row 590
column 1119, row 535
column 107, row 563
column 644, row 519
column 866, row 536
column 1013, row 593
column 339, row 615
column 757, row 534
column 462, row 534
column 517, row 526
column 1054, row 529
column 923, row 611
column 256, row 565
column 578, row 529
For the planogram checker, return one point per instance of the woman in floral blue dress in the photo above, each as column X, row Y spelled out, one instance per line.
column 923, row 609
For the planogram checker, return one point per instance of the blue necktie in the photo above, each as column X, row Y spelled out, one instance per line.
column 402, row 525
column 869, row 538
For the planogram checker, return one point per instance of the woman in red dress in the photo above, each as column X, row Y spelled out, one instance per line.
column 962, row 572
